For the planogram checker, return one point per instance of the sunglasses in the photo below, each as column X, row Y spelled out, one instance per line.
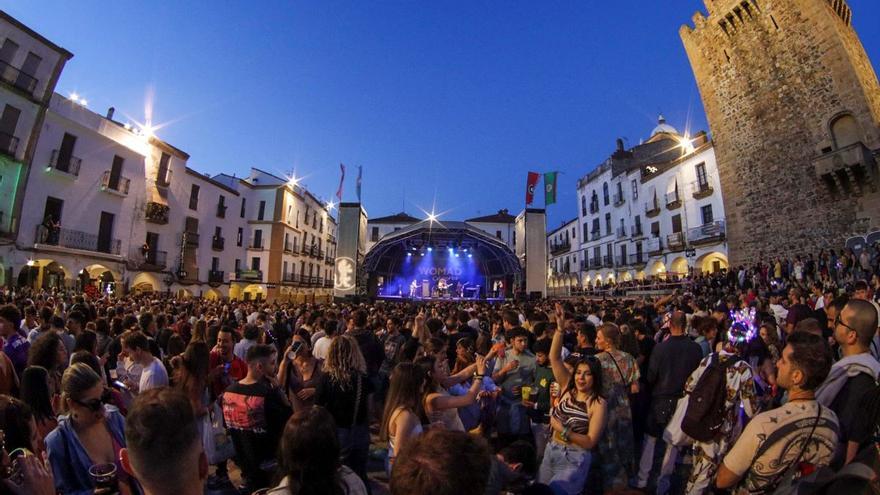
column 94, row 405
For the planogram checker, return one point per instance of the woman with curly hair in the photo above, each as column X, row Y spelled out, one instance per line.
column 49, row 352
column 343, row 390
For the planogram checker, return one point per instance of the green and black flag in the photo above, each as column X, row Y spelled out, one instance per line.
column 549, row 188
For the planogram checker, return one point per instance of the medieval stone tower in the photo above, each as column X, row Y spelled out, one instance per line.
column 794, row 108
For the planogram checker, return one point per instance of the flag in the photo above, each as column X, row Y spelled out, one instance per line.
column 358, row 184
column 341, row 181
column 549, row 188
column 531, row 182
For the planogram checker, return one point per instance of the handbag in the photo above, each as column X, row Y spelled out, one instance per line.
column 218, row 446
column 672, row 434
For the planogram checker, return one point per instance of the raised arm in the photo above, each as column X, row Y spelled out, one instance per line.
column 560, row 372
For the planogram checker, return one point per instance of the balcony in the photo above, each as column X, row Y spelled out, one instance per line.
column 637, row 230
column 675, row 240
column 707, row 233
column 305, row 250
column 595, row 235
column 619, row 199
column 621, row 232
column 118, row 185
column 156, row 213
column 8, row 144
column 848, row 170
column 289, row 247
column 75, row 239
column 560, row 247
column 149, row 260
column 329, row 259
column 165, row 181
column 217, row 243
column 215, row 277
column 621, row 260
column 652, row 208
column 673, row 200
column 249, row 275
column 594, row 207
column 190, row 238
column 289, row 278
column 701, row 189
column 221, row 211
column 654, row 245
column 188, row 273
column 637, row 259
column 595, row 262
column 256, row 244
column 607, row 261
column 328, row 283
column 331, row 239
column 17, row 78
column 68, row 167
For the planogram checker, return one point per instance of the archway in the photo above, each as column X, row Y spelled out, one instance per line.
column 212, row 295
column 712, row 262
column 235, row 292
column 254, row 292
column 184, row 293
column 657, row 269
column 679, row 267
column 640, row 275
column 626, row 276
column 144, row 283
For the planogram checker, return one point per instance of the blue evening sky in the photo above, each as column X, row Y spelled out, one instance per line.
column 451, row 101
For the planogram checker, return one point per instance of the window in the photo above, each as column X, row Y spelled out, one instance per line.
column 583, row 206
column 702, row 180
column 620, row 191
column 115, row 177
column 258, row 238
column 595, row 229
column 255, row 263
column 635, row 189
column 8, row 123
column 655, row 229
column 239, row 237
column 162, row 174
column 284, row 268
column 237, row 265
column 676, row 223
column 289, row 212
column 242, row 207
column 498, row 234
column 215, row 264
column 194, row 197
column 706, row 212
column 638, row 226
column 221, row 207
column 608, row 223
column 374, row 234
column 7, row 53
column 605, row 193
column 586, row 228
column 262, row 210
column 218, row 232
column 845, row 130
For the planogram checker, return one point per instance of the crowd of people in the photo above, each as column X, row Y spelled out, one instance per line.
column 749, row 381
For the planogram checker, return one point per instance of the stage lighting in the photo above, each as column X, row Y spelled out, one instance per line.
column 470, row 255
column 430, row 249
column 409, row 254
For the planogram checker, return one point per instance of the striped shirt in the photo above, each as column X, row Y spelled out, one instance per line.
column 572, row 414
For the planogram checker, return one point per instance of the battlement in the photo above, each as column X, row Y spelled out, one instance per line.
column 732, row 15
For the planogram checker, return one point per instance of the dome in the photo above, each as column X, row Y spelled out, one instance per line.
column 662, row 126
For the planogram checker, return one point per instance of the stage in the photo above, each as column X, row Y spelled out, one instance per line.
column 438, row 299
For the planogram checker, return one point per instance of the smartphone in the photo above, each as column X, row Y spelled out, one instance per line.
column 120, row 385
column 226, row 367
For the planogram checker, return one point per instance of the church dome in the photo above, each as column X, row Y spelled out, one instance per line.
column 663, row 127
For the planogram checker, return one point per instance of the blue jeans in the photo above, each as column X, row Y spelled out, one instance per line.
column 565, row 468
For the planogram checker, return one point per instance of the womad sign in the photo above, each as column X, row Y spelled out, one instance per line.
column 450, row 274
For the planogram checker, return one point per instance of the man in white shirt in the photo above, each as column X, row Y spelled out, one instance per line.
column 251, row 338
column 322, row 345
column 154, row 375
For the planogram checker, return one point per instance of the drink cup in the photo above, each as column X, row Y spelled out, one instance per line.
column 526, row 392
column 104, row 476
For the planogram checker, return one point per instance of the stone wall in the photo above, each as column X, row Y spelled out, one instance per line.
column 773, row 74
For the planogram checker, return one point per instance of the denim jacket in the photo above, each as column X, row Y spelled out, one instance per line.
column 69, row 460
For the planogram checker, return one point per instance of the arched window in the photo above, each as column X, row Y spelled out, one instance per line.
column 583, row 206
column 605, row 193
column 845, row 131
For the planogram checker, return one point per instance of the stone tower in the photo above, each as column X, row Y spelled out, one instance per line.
column 794, row 108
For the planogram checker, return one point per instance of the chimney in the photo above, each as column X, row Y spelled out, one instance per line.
column 619, row 144
column 110, row 112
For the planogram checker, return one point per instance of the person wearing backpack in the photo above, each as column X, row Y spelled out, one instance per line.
column 796, row 438
column 854, row 375
column 672, row 362
column 721, row 385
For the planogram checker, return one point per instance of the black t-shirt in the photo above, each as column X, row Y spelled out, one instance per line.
column 672, row 362
column 848, row 407
column 255, row 416
column 370, row 348
column 341, row 401
column 646, row 346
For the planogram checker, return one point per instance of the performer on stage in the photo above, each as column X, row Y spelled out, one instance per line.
column 412, row 288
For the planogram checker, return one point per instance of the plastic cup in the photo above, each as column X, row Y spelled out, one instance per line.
column 526, row 392
column 104, row 476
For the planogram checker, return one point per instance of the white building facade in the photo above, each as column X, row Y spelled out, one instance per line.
column 651, row 211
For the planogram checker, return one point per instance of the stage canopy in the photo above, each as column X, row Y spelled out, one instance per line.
column 431, row 252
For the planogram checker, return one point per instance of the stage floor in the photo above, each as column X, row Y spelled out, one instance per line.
column 440, row 299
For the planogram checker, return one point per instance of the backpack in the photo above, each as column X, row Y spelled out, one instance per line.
column 706, row 409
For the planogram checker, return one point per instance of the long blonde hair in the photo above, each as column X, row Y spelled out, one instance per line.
column 344, row 358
